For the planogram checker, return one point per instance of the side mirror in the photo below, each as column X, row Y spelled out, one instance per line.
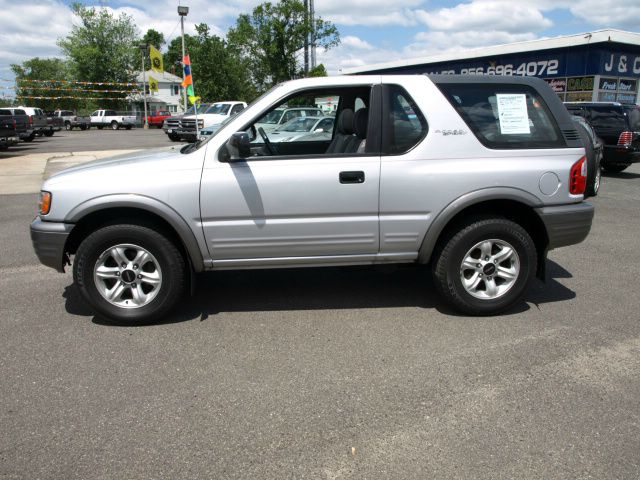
column 318, row 130
column 239, row 146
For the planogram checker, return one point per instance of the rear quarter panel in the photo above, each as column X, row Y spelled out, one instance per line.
column 451, row 162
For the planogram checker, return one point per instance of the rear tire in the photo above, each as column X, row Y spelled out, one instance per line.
column 49, row 133
column 616, row 168
column 594, row 187
column 479, row 252
column 109, row 279
column 115, row 125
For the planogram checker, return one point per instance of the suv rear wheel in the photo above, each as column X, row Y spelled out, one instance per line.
column 486, row 266
column 129, row 273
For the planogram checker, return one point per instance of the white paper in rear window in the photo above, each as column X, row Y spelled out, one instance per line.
column 512, row 113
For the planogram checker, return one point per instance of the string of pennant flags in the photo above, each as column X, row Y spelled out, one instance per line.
column 13, row 87
column 72, row 82
column 68, row 97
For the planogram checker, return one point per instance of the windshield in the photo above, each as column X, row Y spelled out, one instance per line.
column 201, row 109
column 271, row 117
column 219, row 108
column 300, row 124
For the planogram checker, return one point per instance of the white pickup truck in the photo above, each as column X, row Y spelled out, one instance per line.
column 110, row 118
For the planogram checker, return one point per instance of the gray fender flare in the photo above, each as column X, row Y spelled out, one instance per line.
column 465, row 201
column 141, row 202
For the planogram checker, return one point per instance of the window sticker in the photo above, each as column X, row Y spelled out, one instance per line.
column 512, row 113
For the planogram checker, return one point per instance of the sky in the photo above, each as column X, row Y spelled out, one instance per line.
column 372, row 31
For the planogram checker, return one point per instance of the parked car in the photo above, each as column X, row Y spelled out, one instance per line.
column 55, row 123
column 156, row 119
column 594, row 149
column 218, row 112
column 482, row 192
column 70, row 120
column 618, row 126
column 307, row 129
column 111, row 119
column 280, row 116
column 21, row 120
column 178, row 130
column 8, row 135
column 37, row 121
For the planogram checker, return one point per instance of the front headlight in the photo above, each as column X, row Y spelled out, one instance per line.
column 44, row 203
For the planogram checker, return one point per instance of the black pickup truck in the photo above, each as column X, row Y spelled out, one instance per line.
column 7, row 132
column 21, row 122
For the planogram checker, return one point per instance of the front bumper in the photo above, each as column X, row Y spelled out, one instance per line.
column 49, row 240
column 567, row 224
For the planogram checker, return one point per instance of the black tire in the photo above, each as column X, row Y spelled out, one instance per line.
column 450, row 252
column 594, row 187
column 85, row 127
column 616, row 167
column 115, row 125
column 173, row 137
column 49, row 133
column 100, row 127
column 30, row 138
column 172, row 265
column 67, row 126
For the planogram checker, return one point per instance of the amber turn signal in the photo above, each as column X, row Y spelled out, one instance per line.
column 45, row 203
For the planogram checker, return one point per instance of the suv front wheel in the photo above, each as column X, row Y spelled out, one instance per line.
column 486, row 266
column 129, row 273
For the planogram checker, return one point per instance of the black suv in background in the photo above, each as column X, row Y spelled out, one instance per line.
column 618, row 126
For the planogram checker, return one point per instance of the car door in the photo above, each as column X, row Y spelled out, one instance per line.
column 281, row 209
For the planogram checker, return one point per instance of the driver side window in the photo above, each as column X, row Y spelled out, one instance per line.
column 307, row 124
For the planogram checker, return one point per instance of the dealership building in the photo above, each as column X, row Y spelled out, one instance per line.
column 598, row 66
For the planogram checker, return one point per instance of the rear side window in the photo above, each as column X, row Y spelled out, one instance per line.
column 407, row 126
column 19, row 112
column 633, row 114
column 505, row 116
column 5, row 112
column 607, row 118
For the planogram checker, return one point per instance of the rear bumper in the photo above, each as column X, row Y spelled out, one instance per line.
column 49, row 239
column 620, row 155
column 567, row 224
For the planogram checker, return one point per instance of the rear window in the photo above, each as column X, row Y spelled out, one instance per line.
column 633, row 113
column 5, row 112
column 19, row 112
column 505, row 116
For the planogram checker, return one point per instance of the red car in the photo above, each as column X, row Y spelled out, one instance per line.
column 156, row 119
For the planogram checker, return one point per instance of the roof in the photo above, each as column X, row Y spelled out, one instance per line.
column 587, row 38
column 161, row 77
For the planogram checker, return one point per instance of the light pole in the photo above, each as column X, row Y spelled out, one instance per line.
column 143, row 52
column 183, row 11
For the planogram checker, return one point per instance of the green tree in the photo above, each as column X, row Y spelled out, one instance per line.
column 153, row 37
column 271, row 38
column 102, row 48
column 51, row 75
column 218, row 71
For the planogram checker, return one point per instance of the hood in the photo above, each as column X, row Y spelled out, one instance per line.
column 155, row 158
column 209, row 118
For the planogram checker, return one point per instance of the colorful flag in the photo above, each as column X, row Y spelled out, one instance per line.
column 188, row 80
column 153, row 84
column 156, row 59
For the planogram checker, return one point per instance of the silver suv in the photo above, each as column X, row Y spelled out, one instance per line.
column 477, row 176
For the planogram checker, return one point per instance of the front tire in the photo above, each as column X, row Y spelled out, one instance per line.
column 130, row 273
column 485, row 266
column 49, row 133
column 67, row 126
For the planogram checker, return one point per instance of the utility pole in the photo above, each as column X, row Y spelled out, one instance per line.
column 306, row 39
column 143, row 53
column 183, row 11
column 312, row 15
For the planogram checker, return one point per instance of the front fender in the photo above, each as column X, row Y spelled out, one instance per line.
column 152, row 205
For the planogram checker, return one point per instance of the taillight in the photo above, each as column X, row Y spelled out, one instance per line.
column 30, row 119
column 578, row 177
column 625, row 140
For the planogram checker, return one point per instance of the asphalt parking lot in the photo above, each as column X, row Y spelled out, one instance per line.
column 328, row 373
column 92, row 140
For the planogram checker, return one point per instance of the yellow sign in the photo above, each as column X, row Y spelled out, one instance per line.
column 153, row 84
column 156, row 59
